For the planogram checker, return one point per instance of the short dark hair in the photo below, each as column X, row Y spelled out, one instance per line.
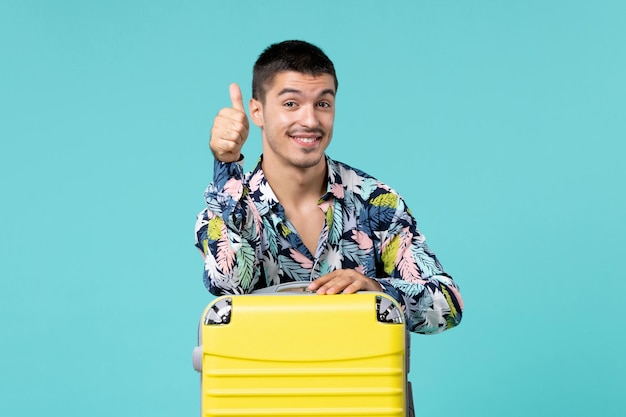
column 293, row 55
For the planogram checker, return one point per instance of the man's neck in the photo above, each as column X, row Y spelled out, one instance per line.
column 294, row 186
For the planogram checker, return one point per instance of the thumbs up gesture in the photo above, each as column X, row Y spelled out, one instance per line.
column 230, row 129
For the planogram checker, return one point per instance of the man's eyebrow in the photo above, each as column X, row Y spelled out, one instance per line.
column 298, row 92
column 289, row 91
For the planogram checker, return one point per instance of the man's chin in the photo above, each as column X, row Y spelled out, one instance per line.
column 306, row 163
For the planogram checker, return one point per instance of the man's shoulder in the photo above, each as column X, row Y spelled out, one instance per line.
column 341, row 169
column 351, row 178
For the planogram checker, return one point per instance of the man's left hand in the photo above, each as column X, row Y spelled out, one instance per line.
column 346, row 281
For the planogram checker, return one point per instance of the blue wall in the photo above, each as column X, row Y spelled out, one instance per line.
column 501, row 123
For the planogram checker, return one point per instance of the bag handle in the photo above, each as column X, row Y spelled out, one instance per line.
column 287, row 287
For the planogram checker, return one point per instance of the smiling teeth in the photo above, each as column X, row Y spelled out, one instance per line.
column 306, row 140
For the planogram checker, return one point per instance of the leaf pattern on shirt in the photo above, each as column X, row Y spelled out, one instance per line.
column 225, row 256
column 390, row 253
column 249, row 243
column 336, row 224
column 246, row 263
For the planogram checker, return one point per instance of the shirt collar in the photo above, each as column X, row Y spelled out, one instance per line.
column 265, row 199
column 260, row 191
column 334, row 186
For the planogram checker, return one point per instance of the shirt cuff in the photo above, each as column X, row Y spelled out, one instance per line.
column 224, row 171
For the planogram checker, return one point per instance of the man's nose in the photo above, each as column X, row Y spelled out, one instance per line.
column 308, row 116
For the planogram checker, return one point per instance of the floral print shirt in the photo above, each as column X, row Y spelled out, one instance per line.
column 248, row 243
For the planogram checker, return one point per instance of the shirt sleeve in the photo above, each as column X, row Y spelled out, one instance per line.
column 223, row 236
column 413, row 275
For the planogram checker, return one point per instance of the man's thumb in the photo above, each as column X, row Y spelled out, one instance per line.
column 235, row 97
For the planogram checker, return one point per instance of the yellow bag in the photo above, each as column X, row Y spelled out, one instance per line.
column 285, row 352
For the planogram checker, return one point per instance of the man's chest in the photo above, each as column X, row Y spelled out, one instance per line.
column 308, row 226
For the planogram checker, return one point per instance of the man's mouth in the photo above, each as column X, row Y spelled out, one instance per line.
column 305, row 139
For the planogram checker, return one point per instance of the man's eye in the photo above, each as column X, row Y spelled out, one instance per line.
column 323, row 104
column 290, row 104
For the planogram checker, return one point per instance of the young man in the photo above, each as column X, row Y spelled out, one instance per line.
column 301, row 216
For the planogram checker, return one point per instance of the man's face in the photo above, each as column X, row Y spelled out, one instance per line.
column 296, row 119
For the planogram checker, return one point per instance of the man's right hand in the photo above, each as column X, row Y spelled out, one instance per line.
column 230, row 129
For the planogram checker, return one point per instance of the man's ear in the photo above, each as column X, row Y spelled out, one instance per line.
column 256, row 112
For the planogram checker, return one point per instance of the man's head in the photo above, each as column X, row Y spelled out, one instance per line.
column 294, row 87
column 296, row 56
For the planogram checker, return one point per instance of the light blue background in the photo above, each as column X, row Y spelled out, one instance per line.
column 501, row 123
